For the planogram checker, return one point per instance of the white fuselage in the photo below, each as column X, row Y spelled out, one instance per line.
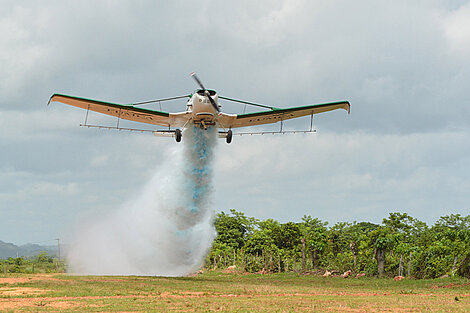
column 201, row 108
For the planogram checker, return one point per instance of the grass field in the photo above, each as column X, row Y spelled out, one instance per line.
column 216, row 291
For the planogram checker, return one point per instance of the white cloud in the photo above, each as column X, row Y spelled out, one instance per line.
column 457, row 29
column 99, row 160
column 22, row 50
column 24, row 124
column 52, row 189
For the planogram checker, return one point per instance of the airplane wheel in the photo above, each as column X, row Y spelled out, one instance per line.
column 178, row 135
column 229, row 136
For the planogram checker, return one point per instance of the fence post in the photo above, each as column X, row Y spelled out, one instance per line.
column 409, row 266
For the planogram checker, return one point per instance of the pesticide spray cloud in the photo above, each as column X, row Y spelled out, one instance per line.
column 166, row 230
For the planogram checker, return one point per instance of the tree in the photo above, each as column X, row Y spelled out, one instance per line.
column 358, row 238
column 452, row 233
column 339, row 238
column 287, row 236
column 382, row 240
column 43, row 257
column 233, row 229
column 259, row 242
column 315, row 234
column 407, row 234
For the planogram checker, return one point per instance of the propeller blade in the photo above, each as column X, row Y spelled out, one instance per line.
column 193, row 74
column 216, row 107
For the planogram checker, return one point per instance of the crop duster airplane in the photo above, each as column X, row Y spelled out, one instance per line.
column 202, row 110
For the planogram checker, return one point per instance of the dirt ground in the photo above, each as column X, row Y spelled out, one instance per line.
column 76, row 302
column 45, row 293
column 22, row 280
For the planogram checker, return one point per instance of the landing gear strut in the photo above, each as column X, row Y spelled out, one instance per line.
column 229, row 136
column 178, row 135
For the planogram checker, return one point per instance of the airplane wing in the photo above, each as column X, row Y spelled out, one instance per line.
column 275, row 114
column 125, row 111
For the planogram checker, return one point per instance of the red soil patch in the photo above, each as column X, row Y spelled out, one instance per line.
column 35, row 302
column 368, row 309
column 106, row 280
column 451, row 285
column 197, row 293
column 21, row 291
column 16, row 280
column 22, row 280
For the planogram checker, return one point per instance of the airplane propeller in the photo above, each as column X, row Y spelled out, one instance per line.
column 206, row 92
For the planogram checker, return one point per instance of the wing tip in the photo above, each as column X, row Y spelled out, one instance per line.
column 50, row 99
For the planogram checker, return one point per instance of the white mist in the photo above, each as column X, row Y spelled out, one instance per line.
column 166, row 230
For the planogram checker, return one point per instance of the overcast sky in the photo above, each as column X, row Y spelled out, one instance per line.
column 404, row 66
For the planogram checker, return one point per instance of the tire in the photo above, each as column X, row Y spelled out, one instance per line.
column 229, row 136
column 178, row 135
